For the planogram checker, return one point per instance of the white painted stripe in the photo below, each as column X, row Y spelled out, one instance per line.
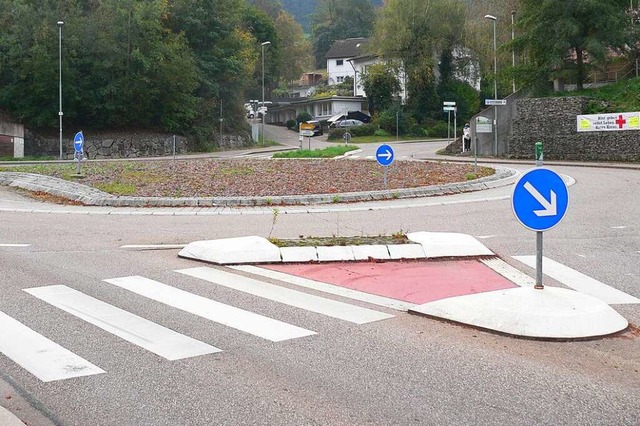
column 509, row 272
column 242, row 320
column 41, row 357
column 578, row 281
column 15, row 245
column 153, row 246
column 132, row 328
column 309, row 302
column 327, row 288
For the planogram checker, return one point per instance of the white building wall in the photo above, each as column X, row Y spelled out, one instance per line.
column 336, row 73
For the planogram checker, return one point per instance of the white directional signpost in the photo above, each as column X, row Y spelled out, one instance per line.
column 447, row 107
column 495, row 103
column 384, row 157
column 539, row 201
column 306, row 129
column 78, row 144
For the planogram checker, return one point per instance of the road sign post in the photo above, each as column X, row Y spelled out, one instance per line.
column 448, row 106
column 78, row 145
column 306, row 129
column 384, row 157
column 539, row 201
column 346, row 137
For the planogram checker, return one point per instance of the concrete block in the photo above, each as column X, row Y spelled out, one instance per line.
column 552, row 313
column 406, row 251
column 364, row 252
column 233, row 251
column 448, row 244
column 299, row 254
column 335, row 253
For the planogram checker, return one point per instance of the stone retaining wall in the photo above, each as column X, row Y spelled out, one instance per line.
column 120, row 145
column 553, row 122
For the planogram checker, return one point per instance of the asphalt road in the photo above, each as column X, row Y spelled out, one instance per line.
column 404, row 370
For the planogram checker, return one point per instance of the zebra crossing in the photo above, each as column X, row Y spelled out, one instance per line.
column 48, row 361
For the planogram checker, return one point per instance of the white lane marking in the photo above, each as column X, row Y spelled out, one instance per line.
column 578, row 281
column 297, row 299
column 242, row 320
column 132, row 328
column 15, row 245
column 514, row 275
column 41, row 357
column 484, row 237
column 153, row 246
column 618, row 227
column 327, row 288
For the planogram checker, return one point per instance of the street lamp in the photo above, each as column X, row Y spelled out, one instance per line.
column 513, row 51
column 495, row 84
column 263, row 112
column 60, row 25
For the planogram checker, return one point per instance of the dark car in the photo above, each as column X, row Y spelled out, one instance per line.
column 317, row 127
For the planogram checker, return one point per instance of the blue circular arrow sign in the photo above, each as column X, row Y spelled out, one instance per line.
column 384, row 155
column 78, row 141
column 540, row 199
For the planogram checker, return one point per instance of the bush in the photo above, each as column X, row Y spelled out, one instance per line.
column 364, row 130
column 381, row 132
column 291, row 124
column 336, row 134
column 439, row 129
column 303, row 116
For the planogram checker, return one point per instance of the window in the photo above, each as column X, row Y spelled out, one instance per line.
column 340, row 79
column 339, row 62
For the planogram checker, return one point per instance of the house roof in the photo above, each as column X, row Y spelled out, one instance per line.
column 349, row 48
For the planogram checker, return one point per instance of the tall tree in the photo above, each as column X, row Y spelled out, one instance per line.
column 270, row 7
column 339, row 19
column 565, row 38
column 381, row 86
column 413, row 33
column 296, row 50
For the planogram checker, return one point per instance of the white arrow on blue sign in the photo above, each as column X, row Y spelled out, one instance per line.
column 78, row 141
column 384, row 155
column 540, row 199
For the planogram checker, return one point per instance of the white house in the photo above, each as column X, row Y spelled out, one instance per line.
column 350, row 58
column 320, row 109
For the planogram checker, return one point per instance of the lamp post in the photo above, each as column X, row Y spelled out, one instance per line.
column 60, row 25
column 513, row 50
column 495, row 84
column 266, row 43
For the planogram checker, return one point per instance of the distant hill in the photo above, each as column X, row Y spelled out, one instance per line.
column 302, row 10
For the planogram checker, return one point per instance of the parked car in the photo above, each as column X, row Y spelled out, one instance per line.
column 317, row 127
column 343, row 124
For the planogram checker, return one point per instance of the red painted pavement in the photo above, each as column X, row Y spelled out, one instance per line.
column 414, row 282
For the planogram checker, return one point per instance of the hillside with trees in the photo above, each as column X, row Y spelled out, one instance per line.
column 302, row 10
column 183, row 65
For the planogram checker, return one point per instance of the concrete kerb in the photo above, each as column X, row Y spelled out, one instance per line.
column 90, row 196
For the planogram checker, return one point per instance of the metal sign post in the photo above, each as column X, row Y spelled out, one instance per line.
column 78, row 155
column 347, row 138
column 384, row 157
column 449, row 106
column 539, row 201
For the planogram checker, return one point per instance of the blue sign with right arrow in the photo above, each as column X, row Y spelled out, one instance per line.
column 78, row 141
column 540, row 199
column 384, row 155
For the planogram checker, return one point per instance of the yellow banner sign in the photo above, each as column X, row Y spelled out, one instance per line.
column 609, row 122
column 307, row 126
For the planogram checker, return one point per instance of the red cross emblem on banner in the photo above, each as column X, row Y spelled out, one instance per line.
column 621, row 121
